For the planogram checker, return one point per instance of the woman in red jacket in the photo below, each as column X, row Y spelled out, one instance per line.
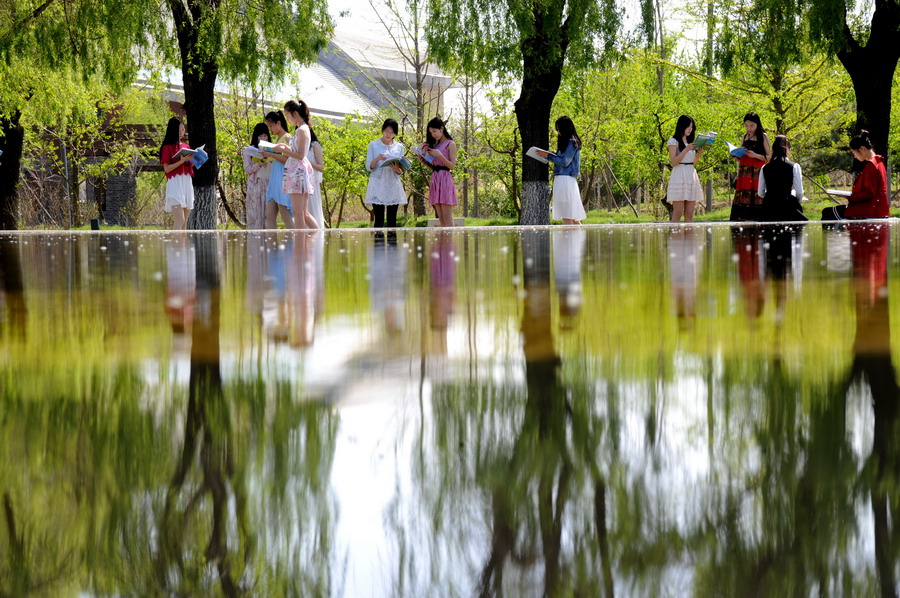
column 869, row 198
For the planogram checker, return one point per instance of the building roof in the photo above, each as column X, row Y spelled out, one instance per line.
column 328, row 96
column 382, row 55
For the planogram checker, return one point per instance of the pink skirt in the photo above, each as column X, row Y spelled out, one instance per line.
column 298, row 177
column 442, row 189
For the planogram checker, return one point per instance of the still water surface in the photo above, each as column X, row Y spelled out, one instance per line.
column 631, row 411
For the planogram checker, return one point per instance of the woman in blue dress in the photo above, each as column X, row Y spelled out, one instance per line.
column 276, row 201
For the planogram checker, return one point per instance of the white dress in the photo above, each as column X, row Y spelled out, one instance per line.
column 315, row 200
column 385, row 186
column 684, row 184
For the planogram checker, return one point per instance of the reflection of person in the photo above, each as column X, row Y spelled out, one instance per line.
column 387, row 282
column 751, row 269
column 181, row 283
column 298, row 172
column 869, row 198
column 568, row 252
column 684, row 189
column 566, row 169
column 278, row 202
column 257, row 171
column 300, row 279
column 747, row 204
column 443, row 285
column 317, row 161
column 257, row 272
column 781, row 185
column 440, row 147
column 385, row 189
column 179, row 174
column 684, row 271
column 275, row 319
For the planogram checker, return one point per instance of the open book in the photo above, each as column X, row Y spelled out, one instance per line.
column 736, row 150
column 417, row 150
column 402, row 162
column 267, row 146
column 838, row 192
column 198, row 155
column 701, row 141
column 533, row 153
column 254, row 153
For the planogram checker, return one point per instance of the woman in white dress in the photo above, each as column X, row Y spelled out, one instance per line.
column 317, row 160
column 684, row 185
column 385, row 191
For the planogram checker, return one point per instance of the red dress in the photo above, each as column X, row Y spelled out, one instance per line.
column 166, row 157
column 869, row 198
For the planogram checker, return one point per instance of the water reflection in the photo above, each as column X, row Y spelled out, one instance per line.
column 502, row 412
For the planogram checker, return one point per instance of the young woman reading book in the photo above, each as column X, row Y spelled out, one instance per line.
column 179, row 174
column 385, row 191
column 298, row 172
column 869, row 197
column 566, row 169
column 276, row 201
column 441, row 148
column 747, row 204
column 684, row 189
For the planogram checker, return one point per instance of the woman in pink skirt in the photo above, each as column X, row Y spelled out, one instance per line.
column 298, row 171
column 439, row 154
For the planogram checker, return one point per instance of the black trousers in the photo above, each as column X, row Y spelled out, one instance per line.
column 379, row 215
column 834, row 213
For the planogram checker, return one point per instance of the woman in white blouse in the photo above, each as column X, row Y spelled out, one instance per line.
column 781, row 185
column 385, row 191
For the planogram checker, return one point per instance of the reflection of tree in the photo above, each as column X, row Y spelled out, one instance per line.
column 12, row 291
column 555, row 441
column 207, row 436
column 872, row 364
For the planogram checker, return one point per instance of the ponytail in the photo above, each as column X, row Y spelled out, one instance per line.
column 860, row 140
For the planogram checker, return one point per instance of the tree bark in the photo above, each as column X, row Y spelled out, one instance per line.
column 10, row 164
column 540, row 83
column 871, row 68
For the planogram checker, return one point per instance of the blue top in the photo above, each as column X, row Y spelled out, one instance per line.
column 569, row 164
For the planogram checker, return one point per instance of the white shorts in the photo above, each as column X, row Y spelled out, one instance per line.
column 180, row 192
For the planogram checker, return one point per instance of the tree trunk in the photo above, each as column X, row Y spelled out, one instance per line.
column 871, row 68
column 540, row 83
column 201, row 125
column 10, row 163
column 199, row 70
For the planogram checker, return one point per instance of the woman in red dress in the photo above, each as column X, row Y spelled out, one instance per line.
column 869, row 197
column 747, row 204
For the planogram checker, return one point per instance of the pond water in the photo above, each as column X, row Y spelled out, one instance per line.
column 632, row 411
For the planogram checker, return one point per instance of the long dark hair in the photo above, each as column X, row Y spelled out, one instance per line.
column 760, row 130
column 259, row 129
column 435, row 123
column 298, row 107
column 861, row 139
column 173, row 134
column 278, row 117
column 684, row 121
column 780, row 148
column 565, row 130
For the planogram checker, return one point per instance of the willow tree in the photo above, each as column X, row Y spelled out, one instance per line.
column 868, row 51
column 529, row 39
column 46, row 48
column 774, row 34
column 242, row 41
column 238, row 40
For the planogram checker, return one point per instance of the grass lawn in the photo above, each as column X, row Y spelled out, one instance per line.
column 812, row 209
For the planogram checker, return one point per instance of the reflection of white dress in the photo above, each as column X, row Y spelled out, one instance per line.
column 568, row 251
column 385, row 186
column 387, row 281
column 315, row 200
